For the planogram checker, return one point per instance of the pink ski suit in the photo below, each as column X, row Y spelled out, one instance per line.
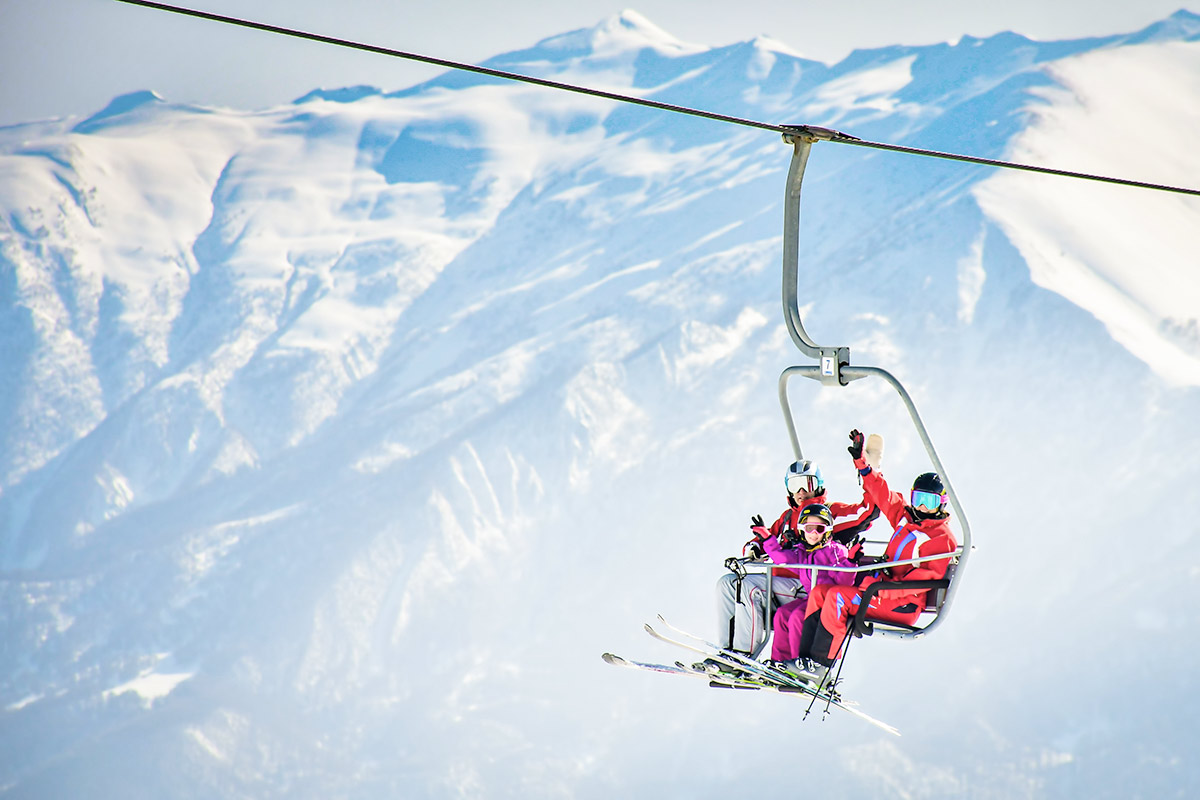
column 789, row 619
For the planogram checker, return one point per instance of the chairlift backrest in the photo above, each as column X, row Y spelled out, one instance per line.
column 937, row 597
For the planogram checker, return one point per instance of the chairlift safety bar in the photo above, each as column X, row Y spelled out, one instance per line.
column 759, row 566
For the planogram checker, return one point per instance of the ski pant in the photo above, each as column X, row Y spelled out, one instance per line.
column 830, row 607
column 789, row 625
column 741, row 604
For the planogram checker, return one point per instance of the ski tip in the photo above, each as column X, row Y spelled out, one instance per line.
column 615, row 660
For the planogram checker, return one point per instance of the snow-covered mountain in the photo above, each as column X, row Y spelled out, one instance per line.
column 341, row 438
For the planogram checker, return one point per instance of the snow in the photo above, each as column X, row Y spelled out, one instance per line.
column 1125, row 259
column 872, row 89
column 24, row 701
column 620, row 35
column 149, row 686
column 340, row 438
column 971, row 279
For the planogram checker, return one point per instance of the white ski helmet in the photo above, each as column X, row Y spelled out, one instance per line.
column 804, row 475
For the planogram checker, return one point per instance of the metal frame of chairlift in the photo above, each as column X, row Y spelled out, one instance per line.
column 833, row 369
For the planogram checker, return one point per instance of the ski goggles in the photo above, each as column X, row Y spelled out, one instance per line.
column 798, row 483
column 930, row 500
column 815, row 527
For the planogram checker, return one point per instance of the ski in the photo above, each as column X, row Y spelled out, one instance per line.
column 715, row 679
column 726, row 681
column 679, row 668
column 741, row 659
column 731, row 659
column 781, row 681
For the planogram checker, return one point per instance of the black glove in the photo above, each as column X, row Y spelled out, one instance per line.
column 757, row 522
column 856, row 446
column 752, row 549
column 789, row 538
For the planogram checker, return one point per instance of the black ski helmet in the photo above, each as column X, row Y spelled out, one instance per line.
column 929, row 482
column 816, row 512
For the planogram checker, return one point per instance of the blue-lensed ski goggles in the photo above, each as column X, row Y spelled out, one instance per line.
column 930, row 500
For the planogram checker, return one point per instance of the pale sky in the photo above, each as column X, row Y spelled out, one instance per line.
column 70, row 57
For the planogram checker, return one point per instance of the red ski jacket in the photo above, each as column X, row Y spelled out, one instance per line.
column 912, row 537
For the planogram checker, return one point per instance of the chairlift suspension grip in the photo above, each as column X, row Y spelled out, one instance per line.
column 830, row 359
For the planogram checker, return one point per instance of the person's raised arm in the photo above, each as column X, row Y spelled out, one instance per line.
column 875, row 488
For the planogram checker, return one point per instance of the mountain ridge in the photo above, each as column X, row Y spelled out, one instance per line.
column 341, row 437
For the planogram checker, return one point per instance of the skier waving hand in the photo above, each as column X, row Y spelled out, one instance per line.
column 921, row 528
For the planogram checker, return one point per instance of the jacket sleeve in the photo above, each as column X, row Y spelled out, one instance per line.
column 875, row 487
column 853, row 519
column 851, row 509
column 778, row 554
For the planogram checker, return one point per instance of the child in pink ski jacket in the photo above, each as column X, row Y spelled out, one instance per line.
column 811, row 545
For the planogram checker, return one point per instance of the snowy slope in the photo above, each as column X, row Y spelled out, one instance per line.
column 1147, row 292
column 342, row 437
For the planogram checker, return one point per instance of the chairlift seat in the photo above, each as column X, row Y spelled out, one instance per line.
column 861, row 624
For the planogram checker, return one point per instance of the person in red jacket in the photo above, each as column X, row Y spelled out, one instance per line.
column 921, row 529
column 741, row 597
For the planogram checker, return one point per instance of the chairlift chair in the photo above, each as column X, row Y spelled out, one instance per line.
column 833, row 369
